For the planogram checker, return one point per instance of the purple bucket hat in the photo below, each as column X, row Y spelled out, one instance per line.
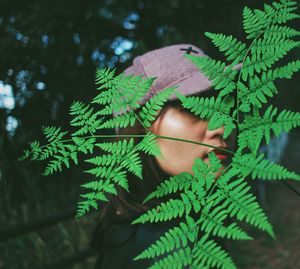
column 170, row 67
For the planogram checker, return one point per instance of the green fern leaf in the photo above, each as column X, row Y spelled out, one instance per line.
column 100, row 185
column 85, row 118
column 133, row 163
column 216, row 111
column 105, row 78
column 177, row 260
column 256, row 22
column 121, row 121
column 222, row 77
column 174, row 184
column 106, row 159
column 211, row 221
column 149, row 145
column 53, row 134
column 242, row 204
column 277, row 31
column 171, row 240
column 118, row 148
column 261, row 168
column 90, row 201
column 150, row 109
column 254, row 128
column 207, row 252
column 235, row 50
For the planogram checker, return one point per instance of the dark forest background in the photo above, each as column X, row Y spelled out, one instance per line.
column 49, row 52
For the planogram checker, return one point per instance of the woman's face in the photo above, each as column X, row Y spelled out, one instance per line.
column 178, row 155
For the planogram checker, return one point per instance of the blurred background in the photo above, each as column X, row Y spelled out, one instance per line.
column 49, row 52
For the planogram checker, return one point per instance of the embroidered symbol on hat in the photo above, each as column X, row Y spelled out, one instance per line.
column 189, row 50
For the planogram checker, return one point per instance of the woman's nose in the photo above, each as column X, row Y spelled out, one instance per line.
column 216, row 132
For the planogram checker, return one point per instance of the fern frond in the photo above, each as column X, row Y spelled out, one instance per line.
column 121, row 121
column 261, row 88
column 242, row 204
column 101, row 171
column 274, row 45
column 149, row 145
column 84, row 145
column 171, row 240
column 120, row 147
column 123, row 93
column 56, row 164
column 277, row 31
column 100, row 186
column 129, row 92
column 217, row 111
column 53, row 134
column 254, row 128
column 204, row 177
column 212, row 220
column 256, row 21
column 261, row 168
column 35, row 150
column 174, row 184
column 106, row 78
column 172, row 209
column 90, row 201
column 222, row 77
column 263, row 61
column 85, row 118
column 165, row 211
column 234, row 50
column 120, row 177
column 105, row 159
column 176, row 260
column 133, row 163
column 150, row 109
column 208, row 253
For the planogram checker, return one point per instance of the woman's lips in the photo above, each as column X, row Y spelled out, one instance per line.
column 221, row 157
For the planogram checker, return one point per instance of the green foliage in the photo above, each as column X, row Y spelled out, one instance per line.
column 216, row 111
column 149, row 111
column 202, row 201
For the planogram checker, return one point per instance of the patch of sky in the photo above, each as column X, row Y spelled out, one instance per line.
column 79, row 59
column 11, row 125
column 124, row 57
column 76, row 38
column 129, row 22
column 112, row 62
column 120, row 45
column 12, row 19
column 97, row 56
column 18, row 36
column 105, row 13
column 40, row 86
column 22, row 38
column 161, row 30
column 7, row 100
column 23, row 78
column 43, row 69
column 10, row 72
column 45, row 39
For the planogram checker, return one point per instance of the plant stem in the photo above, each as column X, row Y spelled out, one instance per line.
column 157, row 136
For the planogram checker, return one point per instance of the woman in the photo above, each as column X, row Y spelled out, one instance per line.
column 117, row 240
